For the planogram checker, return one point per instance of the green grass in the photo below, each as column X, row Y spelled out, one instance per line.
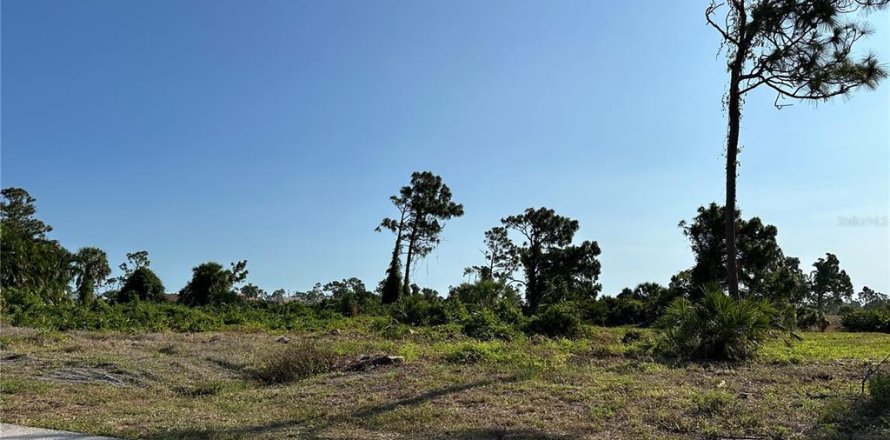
column 200, row 386
column 829, row 346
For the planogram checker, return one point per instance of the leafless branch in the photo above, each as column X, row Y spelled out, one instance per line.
column 871, row 371
column 708, row 13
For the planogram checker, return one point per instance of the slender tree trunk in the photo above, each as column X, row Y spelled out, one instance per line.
column 391, row 296
column 732, row 151
column 406, row 288
column 532, row 291
column 734, row 104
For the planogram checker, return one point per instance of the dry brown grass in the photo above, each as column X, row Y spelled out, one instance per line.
column 202, row 386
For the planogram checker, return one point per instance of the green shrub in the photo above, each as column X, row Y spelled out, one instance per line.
column 417, row 310
column 715, row 327
column 485, row 326
column 142, row 285
column 557, row 320
column 391, row 329
column 625, row 311
column 470, row 354
column 295, row 362
column 809, row 317
column 420, row 311
column 594, row 311
column 483, row 294
column 509, row 313
column 712, row 403
column 875, row 320
column 879, row 389
column 25, row 310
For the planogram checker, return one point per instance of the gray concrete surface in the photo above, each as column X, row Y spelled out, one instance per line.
column 15, row 432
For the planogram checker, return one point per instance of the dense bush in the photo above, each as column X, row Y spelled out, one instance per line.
column 809, row 318
column 874, row 320
column 715, row 327
column 294, row 363
column 593, row 311
column 557, row 320
column 470, row 354
column 485, row 293
column 879, row 389
column 624, row 311
column 485, row 326
column 141, row 285
column 417, row 310
column 28, row 310
column 211, row 284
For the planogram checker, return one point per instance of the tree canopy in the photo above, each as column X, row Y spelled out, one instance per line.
column 28, row 260
column 213, row 284
column 554, row 268
column 91, row 269
column 764, row 270
column 423, row 208
column 801, row 50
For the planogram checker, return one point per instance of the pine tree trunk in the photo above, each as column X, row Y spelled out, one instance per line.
column 406, row 288
column 392, row 295
column 732, row 151
column 734, row 104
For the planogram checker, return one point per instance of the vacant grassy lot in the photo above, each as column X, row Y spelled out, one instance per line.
column 169, row 385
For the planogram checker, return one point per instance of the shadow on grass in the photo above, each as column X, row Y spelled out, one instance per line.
column 853, row 418
column 465, row 434
column 226, row 364
column 312, row 428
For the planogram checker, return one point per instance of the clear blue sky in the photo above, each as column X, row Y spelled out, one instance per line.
column 274, row 131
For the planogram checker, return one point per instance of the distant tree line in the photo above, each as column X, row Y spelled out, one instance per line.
column 532, row 267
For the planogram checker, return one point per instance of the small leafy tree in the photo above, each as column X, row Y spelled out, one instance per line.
column 801, row 50
column 28, row 260
column 278, row 295
column 653, row 297
column 763, row 269
column 143, row 285
column 501, row 257
column 212, row 284
column 830, row 285
column 252, row 291
column 872, row 299
column 484, row 294
column 423, row 207
column 92, row 269
column 18, row 213
column 555, row 269
column 350, row 297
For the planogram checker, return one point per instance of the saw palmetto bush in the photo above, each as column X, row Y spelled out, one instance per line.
column 716, row 327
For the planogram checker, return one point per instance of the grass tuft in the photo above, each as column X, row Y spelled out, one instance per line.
column 295, row 362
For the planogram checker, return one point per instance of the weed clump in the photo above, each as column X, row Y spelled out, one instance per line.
column 203, row 389
column 558, row 320
column 470, row 354
column 879, row 389
column 713, row 403
column 296, row 362
column 484, row 325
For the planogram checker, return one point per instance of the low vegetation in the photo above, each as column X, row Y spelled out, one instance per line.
column 167, row 385
column 717, row 327
column 295, row 362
